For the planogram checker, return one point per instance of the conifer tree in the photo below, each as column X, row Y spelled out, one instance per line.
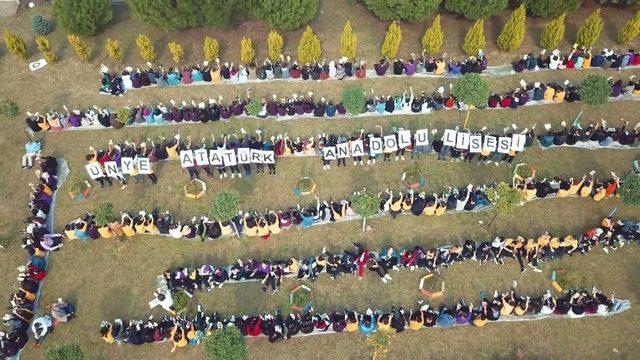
column 433, row 37
column 113, row 50
column 211, row 48
column 45, row 48
column 285, row 14
column 553, row 33
column 590, row 31
column 275, row 44
column 147, row 51
column 309, row 48
column 630, row 31
column 247, row 54
column 474, row 40
column 476, row 9
column 40, row 25
column 82, row 49
column 409, row 10
column 83, row 17
column 348, row 41
column 392, row 40
column 179, row 14
column 15, row 44
column 513, row 32
column 177, row 53
column 552, row 8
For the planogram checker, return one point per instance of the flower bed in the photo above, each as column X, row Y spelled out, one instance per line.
column 195, row 189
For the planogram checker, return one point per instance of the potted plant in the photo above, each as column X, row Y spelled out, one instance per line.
column 195, row 189
column 413, row 177
column 300, row 297
column 80, row 190
column 122, row 117
column 431, row 286
column 305, row 186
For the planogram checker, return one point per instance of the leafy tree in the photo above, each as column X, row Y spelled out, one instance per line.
column 65, row 352
column 553, row 33
column 552, row 8
column 275, row 44
column 225, row 206
column 630, row 31
column 114, row 50
column 177, row 53
column 365, row 205
column 45, row 48
column 82, row 49
column 147, row 51
column 83, row 17
column 433, row 37
column 353, row 99
column 15, row 44
column 172, row 14
column 504, row 198
column 513, row 32
column 594, row 90
column 630, row 189
column 40, row 25
column 471, row 89
column 409, row 10
column 103, row 213
column 226, row 344
column 590, row 31
column 392, row 40
column 285, row 14
column 476, row 9
column 247, row 54
column 474, row 40
column 9, row 108
column 348, row 41
column 309, row 48
column 211, row 48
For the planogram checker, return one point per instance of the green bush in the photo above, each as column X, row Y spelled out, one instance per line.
column 227, row 344
column 254, row 107
column 409, row 10
column 552, row 8
column 630, row 189
column 83, row 17
column 471, row 89
column 285, row 14
column 123, row 115
column 65, row 352
column 301, row 298
column 40, row 25
column 180, row 301
column 173, row 14
column 354, row 100
column 476, row 9
column 504, row 197
column 595, row 90
column 9, row 108
column 225, row 206
column 103, row 213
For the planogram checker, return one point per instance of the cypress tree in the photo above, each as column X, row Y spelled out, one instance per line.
column 590, row 31
column 275, row 44
column 433, row 37
column 348, row 41
column 392, row 40
column 211, row 48
column 113, row 50
column 553, row 33
column 83, row 17
column 45, row 48
column 147, row 51
column 82, row 49
column 309, row 48
column 630, row 31
column 247, row 54
column 177, row 53
column 474, row 40
column 513, row 32
column 15, row 44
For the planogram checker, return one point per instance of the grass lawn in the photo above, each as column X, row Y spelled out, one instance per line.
column 108, row 279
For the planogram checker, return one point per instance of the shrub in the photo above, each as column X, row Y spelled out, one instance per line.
column 409, row 10
column 354, row 100
column 309, row 48
column 552, row 8
column 211, row 48
column 147, row 51
column 433, row 37
column 82, row 49
column 15, row 44
column 594, row 90
column 9, row 108
column 45, row 48
column 247, row 54
column 103, row 213
column 392, row 40
column 226, row 344
column 630, row 189
column 513, row 32
column 286, row 14
column 553, row 33
column 40, row 25
column 254, row 107
column 83, row 17
column 65, row 352
column 177, row 54
column 180, row 301
column 630, row 31
column 590, row 31
column 348, row 41
column 275, row 44
column 474, row 40
column 123, row 115
column 471, row 89
column 114, row 51
column 301, row 298
column 476, row 9
column 225, row 206
column 178, row 14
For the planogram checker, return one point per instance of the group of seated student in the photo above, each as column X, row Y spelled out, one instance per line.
column 254, row 224
column 183, row 331
column 577, row 59
column 310, row 106
column 611, row 234
column 37, row 241
column 593, row 136
column 281, row 69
